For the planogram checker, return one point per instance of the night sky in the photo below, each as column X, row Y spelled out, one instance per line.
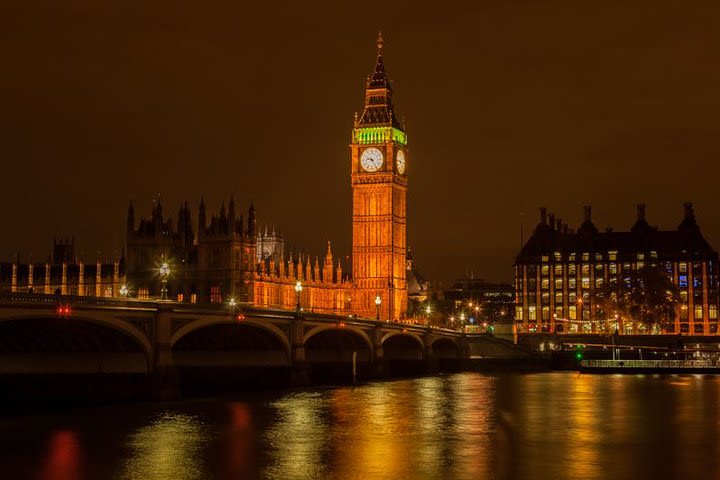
column 509, row 105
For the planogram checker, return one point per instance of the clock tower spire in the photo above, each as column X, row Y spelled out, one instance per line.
column 378, row 154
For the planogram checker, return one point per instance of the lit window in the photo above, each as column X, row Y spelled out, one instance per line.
column 641, row 256
column 653, row 254
column 558, row 269
column 545, row 284
column 531, row 313
column 558, row 283
column 518, row 313
column 545, row 270
column 682, row 267
column 215, row 294
column 180, row 297
column 613, row 269
column 698, row 312
column 143, row 293
column 713, row 312
column 545, row 298
column 599, row 281
column 585, row 256
column 572, row 283
column 558, row 256
column 572, row 297
column 571, row 269
column 683, row 281
column 585, row 282
column 684, row 295
column 558, row 297
column 571, row 257
column 598, row 256
column 193, row 298
column 545, row 258
column 639, row 265
column 599, row 268
column 585, row 268
column 612, row 255
column 546, row 313
column 572, row 312
column 558, row 312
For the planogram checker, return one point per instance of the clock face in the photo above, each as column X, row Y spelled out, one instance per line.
column 401, row 162
column 371, row 159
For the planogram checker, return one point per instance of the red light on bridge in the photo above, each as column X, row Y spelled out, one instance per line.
column 240, row 317
column 341, row 325
column 63, row 311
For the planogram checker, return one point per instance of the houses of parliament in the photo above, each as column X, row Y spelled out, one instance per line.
column 225, row 256
column 230, row 257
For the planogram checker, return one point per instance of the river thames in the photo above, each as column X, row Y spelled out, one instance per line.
column 465, row 426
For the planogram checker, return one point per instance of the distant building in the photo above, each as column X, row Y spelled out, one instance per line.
column 479, row 300
column 63, row 274
column 558, row 271
column 417, row 286
column 213, row 266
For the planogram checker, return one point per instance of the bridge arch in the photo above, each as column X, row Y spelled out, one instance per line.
column 248, row 321
column 348, row 328
column 120, row 325
column 445, row 347
column 395, row 333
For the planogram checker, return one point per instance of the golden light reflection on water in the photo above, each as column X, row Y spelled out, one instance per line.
column 298, row 437
column 169, row 448
column 423, row 428
column 470, row 425
column 584, row 433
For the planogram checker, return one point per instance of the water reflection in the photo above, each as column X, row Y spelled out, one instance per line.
column 464, row 426
column 298, row 436
column 170, row 447
column 63, row 458
column 423, row 428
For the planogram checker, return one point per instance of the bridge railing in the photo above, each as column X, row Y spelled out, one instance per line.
column 40, row 298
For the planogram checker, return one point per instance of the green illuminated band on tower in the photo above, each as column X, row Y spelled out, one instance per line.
column 379, row 135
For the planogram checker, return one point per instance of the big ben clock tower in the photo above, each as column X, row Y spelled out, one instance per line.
column 379, row 186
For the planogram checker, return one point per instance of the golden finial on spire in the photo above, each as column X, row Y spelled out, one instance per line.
column 380, row 41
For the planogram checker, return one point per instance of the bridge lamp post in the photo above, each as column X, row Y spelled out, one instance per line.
column 298, row 290
column 124, row 291
column 164, row 274
column 428, row 311
column 378, row 302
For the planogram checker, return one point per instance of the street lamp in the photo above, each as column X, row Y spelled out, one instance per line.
column 298, row 289
column 124, row 291
column 378, row 301
column 164, row 272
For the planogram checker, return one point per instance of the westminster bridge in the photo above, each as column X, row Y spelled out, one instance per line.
column 67, row 335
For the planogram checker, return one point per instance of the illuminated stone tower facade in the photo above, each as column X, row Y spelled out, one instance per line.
column 379, row 186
